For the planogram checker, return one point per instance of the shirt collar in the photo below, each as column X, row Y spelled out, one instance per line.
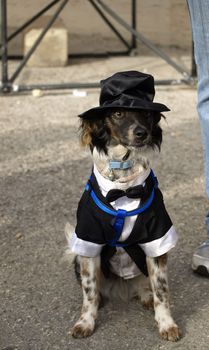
column 107, row 185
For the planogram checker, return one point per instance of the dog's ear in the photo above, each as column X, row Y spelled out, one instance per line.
column 85, row 132
column 94, row 133
column 157, row 117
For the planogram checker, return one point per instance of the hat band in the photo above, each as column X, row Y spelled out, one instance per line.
column 127, row 101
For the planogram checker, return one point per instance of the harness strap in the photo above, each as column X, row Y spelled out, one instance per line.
column 121, row 214
column 118, row 226
column 113, row 212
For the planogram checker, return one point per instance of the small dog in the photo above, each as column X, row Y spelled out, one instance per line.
column 123, row 230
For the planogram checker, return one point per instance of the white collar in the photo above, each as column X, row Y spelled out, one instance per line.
column 107, row 185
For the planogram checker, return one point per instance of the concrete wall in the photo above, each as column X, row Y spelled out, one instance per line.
column 164, row 22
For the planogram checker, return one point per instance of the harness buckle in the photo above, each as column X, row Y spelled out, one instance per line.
column 119, row 220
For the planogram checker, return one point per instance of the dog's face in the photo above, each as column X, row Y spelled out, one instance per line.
column 130, row 128
column 134, row 128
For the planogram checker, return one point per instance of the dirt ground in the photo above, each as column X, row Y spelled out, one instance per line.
column 43, row 172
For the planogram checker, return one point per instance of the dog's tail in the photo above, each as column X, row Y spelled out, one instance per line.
column 69, row 256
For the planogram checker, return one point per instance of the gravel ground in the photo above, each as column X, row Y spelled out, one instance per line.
column 43, row 172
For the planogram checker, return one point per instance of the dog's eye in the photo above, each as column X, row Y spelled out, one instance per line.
column 117, row 114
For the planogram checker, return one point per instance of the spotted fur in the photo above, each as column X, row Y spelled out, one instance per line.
column 90, row 280
column 157, row 268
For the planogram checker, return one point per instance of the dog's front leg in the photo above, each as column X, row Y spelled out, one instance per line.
column 90, row 279
column 157, row 268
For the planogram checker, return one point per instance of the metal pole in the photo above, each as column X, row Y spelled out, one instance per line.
column 26, row 24
column 142, row 39
column 68, row 86
column 110, row 24
column 133, row 9
column 37, row 42
column 63, row 86
column 99, row 54
column 4, row 43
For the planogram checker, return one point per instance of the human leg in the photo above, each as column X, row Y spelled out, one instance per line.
column 199, row 14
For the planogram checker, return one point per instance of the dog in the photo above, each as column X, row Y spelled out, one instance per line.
column 123, row 231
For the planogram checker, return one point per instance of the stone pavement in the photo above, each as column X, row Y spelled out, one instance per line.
column 42, row 175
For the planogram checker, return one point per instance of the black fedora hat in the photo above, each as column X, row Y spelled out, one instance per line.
column 128, row 90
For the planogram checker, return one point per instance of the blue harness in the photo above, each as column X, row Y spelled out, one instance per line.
column 121, row 214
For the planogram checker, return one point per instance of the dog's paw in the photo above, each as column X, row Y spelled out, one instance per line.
column 82, row 329
column 173, row 333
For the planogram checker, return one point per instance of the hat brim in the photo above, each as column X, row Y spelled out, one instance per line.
column 100, row 111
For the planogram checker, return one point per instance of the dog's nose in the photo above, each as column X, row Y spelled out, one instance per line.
column 140, row 133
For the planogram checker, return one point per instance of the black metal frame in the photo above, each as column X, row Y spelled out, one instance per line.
column 105, row 12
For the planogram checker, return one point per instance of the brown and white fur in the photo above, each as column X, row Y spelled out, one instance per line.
column 123, row 134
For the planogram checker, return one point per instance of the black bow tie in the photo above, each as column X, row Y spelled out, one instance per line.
column 132, row 192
